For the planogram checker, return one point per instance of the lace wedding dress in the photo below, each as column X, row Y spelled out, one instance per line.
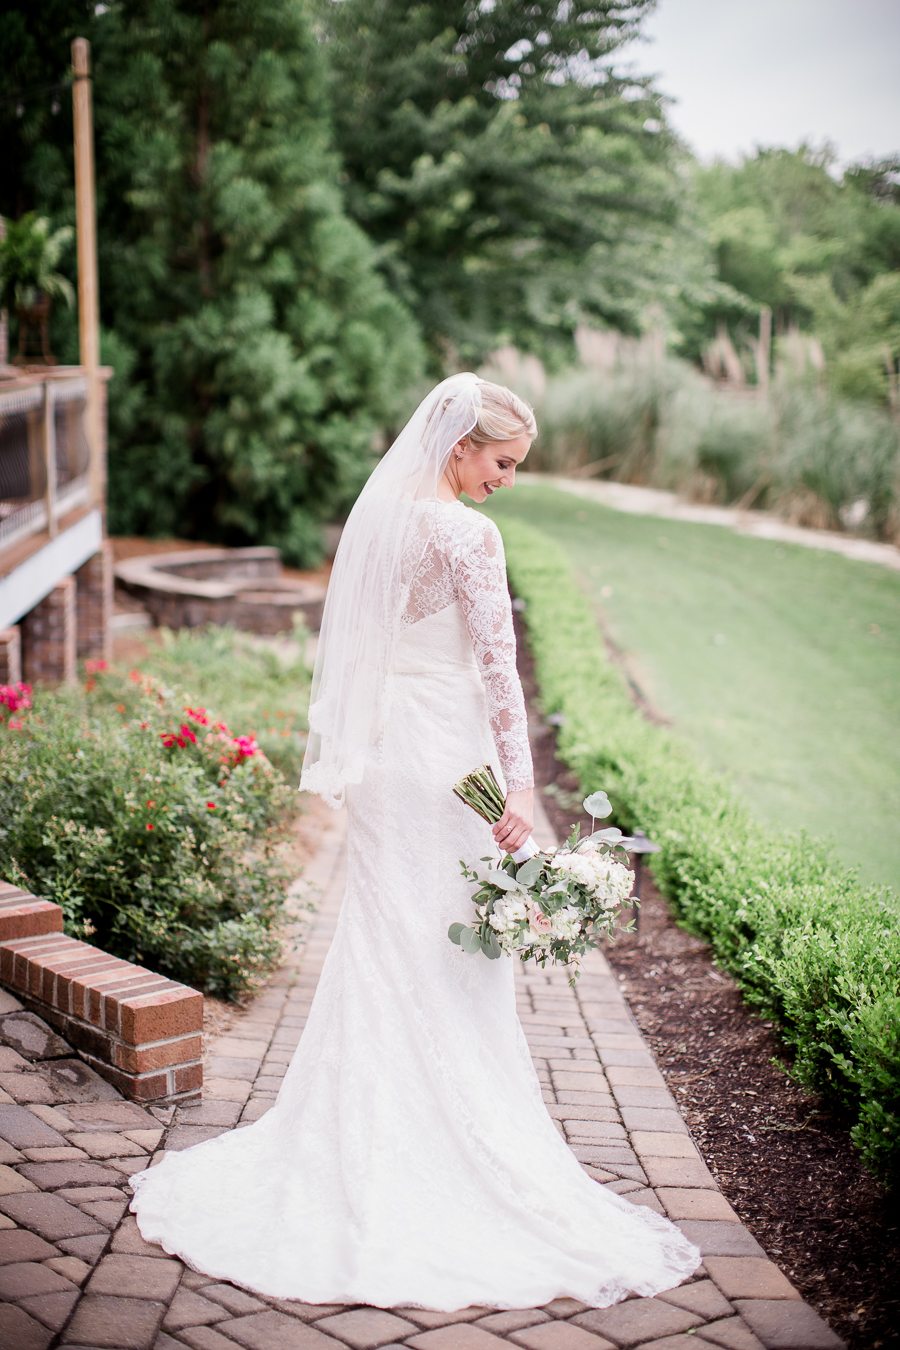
column 409, row 1158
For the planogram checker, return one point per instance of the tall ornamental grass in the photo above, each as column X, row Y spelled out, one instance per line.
column 809, row 946
column 633, row 413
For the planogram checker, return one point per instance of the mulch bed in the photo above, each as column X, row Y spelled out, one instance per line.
column 781, row 1157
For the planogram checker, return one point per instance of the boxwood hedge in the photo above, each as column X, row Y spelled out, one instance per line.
column 808, row 945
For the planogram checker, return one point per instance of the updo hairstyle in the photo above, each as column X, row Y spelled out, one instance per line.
column 503, row 416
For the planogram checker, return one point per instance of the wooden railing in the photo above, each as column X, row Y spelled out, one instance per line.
column 48, row 464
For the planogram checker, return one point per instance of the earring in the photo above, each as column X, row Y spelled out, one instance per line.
column 459, row 456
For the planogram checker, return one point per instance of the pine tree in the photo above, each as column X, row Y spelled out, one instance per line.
column 515, row 181
column 257, row 349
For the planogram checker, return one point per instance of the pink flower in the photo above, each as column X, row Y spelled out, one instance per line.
column 211, row 806
column 15, row 697
column 539, row 922
column 93, row 666
column 245, row 745
column 199, row 715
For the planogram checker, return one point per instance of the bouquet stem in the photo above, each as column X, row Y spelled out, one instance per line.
column 481, row 791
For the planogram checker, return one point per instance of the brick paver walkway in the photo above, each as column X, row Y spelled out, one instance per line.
column 74, row 1270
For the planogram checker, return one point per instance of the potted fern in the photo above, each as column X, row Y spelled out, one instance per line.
column 29, row 283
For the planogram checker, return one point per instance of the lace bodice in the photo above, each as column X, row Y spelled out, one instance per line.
column 455, row 554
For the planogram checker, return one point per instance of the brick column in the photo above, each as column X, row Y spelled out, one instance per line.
column 48, row 637
column 10, row 655
column 95, row 604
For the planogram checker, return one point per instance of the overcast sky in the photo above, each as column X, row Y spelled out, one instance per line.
column 775, row 72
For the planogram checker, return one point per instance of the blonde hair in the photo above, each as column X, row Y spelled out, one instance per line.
column 503, row 416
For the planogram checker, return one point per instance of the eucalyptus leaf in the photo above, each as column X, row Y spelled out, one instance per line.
column 470, row 940
column 554, row 890
column 454, row 931
column 491, row 947
column 529, row 872
column 504, row 882
column 597, row 805
column 612, row 835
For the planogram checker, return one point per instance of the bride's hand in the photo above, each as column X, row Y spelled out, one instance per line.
column 517, row 821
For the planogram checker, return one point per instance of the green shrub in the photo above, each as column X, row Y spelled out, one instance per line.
column 150, row 824
column 253, row 683
column 808, row 945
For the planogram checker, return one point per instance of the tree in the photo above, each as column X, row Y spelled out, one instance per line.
column 821, row 251
column 257, row 349
column 515, row 183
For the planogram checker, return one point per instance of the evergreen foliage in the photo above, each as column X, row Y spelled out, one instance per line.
column 515, row 183
column 256, row 347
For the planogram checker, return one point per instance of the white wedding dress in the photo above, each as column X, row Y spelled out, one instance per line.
column 409, row 1158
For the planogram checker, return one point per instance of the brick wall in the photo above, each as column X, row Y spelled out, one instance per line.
column 139, row 1030
column 95, row 604
column 48, row 637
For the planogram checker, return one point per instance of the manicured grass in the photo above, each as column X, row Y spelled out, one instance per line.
column 780, row 664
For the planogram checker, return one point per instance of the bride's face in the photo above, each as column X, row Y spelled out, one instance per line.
column 485, row 468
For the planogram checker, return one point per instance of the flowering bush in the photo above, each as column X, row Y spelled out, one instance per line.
column 553, row 907
column 152, row 826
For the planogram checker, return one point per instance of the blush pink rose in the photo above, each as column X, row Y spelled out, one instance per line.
column 538, row 922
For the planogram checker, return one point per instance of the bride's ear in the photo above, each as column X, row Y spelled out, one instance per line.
column 460, row 447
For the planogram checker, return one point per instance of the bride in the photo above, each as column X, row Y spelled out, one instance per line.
column 409, row 1158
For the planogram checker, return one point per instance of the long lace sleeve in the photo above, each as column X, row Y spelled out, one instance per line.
column 479, row 570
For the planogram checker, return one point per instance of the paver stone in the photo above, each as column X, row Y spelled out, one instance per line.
column 69, row 1266
column 17, row 1244
column 234, row 1300
column 29, row 1087
column 637, row 1320
column 276, row 1331
column 109, row 1144
column 749, row 1277
column 127, row 1241
column 13, row 1184
column 49, row 1216
column 53, row 1310
column 457, row 1336
column 560, row 1336
column 717, row 1238
column 115, row 1323
column 788, row 1325
column 31, row 1037
column 209, row 1113
column 425, row 1318
column 732, row 1333
column 682, row 1172
column 502, row 1323
column 88, row 1249
column 136, row 1277
column 682, row 1203
column 702, row 1298
column 207, row 1338
column 22, row 1279
column 25, row 1129
column 185, row 1136
column 19, row 1330
column 188, row 1309
column 366, row 1328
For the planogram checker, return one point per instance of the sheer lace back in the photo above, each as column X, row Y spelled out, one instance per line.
column 454, row 555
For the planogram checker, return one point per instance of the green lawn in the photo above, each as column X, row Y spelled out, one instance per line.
column 780, row 664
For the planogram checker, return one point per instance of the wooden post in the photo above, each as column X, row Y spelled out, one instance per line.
column 50, row 457
column 86, row 227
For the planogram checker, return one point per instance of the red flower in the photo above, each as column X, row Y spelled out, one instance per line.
column 135, row 675
column 151, row 803
column 149, row 826
column 211, row 805
column 93, row 666
column 187, row 734
column 245, row 746
column 15, row 697
column 199, row 715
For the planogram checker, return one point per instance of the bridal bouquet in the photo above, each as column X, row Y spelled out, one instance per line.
column 557, row 903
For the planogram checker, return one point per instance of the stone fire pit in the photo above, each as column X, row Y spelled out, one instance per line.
column 240, row 586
